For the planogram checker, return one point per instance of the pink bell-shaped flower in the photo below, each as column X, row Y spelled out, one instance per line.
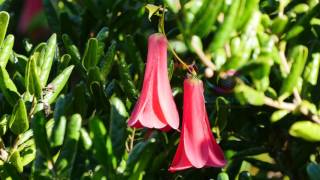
column 155, row 107
column 197, row 147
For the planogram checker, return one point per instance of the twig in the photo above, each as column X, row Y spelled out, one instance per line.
column 204, row 59
column 132, row 138
column 279, row 105
column 290, row 107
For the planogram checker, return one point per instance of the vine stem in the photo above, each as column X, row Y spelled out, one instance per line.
column 162, row 30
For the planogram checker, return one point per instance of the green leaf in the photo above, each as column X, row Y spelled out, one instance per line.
column 133, row 55
column 4, row 124
column 279, row 24
column 64, row 62
column 206, row 17
column 126, row 79
column 71, row 48
column 101, row 144
column 6, row 50
column 85, row 138
column 90, row 56
column 40, row 135
column 107, row 61
column 299, row 57
column 152, row 9
column 58, row 131
column 118, row 125
column 32, row 81
column 27, row 152
column 48, row 59
column 225, row 30
column 306, row 130
column 313, row 171
column 19, row 122
column 174, row 5
column 246, row 94
column 8, row 88
column 223, row 176
column 278, row 115
column 312, row 69
column 135, row 153
column 80, row 101
column 65, row 161
column 15, row 160
column 303, row 22
column 4, row 21
column 57, row 85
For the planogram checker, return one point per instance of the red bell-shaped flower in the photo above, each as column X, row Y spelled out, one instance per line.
column 155, row 107
column 197, row 146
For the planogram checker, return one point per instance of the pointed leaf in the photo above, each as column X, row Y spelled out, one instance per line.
column 19, row 122
column 6, row 50
column 4, row 21
column 306, row 130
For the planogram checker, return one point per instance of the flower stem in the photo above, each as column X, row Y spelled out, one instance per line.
column 162, row 30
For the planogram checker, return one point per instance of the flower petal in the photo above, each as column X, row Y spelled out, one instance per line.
column 164, row 95
column 195, row 139
column 180, row 160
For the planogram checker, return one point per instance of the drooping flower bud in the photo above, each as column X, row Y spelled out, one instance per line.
column 197, row 147
column 155, row 107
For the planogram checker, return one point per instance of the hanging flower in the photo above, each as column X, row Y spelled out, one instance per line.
column 197, row 147
column 155, row 107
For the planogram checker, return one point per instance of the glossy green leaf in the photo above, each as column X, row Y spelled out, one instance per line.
column 206, row 17
column 174, row 5
column 48, row 59
column 118, row 125
column 152, row 9
column 126, row 79
column 223, row 176
column 4, row 21
column 107, row 61
column 40, row 134
column 6, row 50
column 19, row 122
column 279, row 24
column 58, row 131
column 298, row 56
column 278, row 115
column 85, row 138
column 224, row 31
column 312, row 69
column 249, row 7
column 90, row 56
column 4, row 124
column 303, row 22
column 27, row 152
column 16, row 161
column 306, row 130
column 57, row 85
column 32, row 81
column 133, row 55
column 101, row 144
column 71, row 48
column 246, row 94
column 65, row 161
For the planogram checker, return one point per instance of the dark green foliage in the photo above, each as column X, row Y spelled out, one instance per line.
column 65, row 101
